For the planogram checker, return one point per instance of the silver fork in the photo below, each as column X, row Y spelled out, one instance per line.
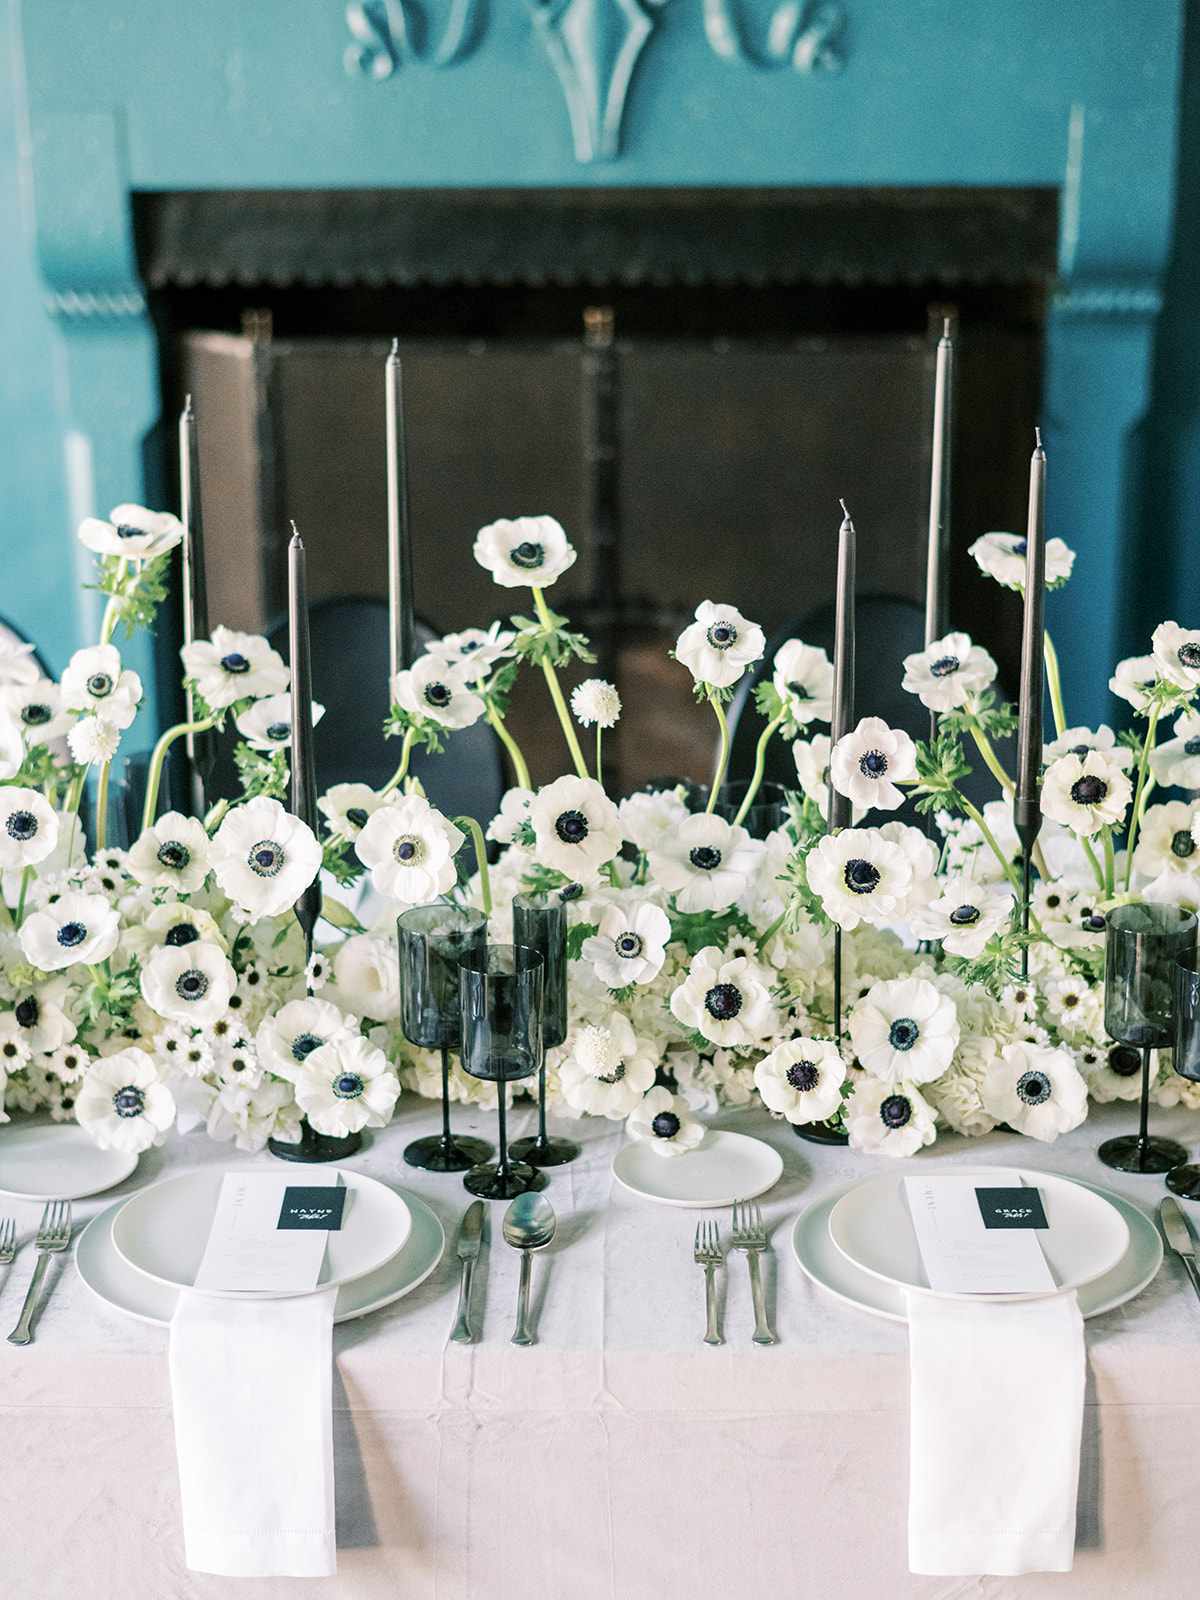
column 8, row 1241
column 53, row 1236
column 707, row 1254
column 750, row 1235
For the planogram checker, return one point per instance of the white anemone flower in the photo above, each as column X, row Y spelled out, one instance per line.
column 606, row 1068
column 812, row 766
column 664, row 1122
column 75, row 928
column 264, row 858
column 904, row 1030
column 885, row 1119
column 1036, row 1090
column 350, row 806
column 1176, row 762
column 475, row 650
column 524, row 552
column 267, row 724
column 1165, row 842
column 17, row 664
column 512, row 816
column 801, row 1079
column 1134, row 679
column 1086, row 795
column 630, row 944
column 727, row 1001
column 93, row 739
column 233, row 666
column 861, row 876
column 1177, row 653
column 172, row 854
column 576, row 827
column 803, row 679
column 1069, row 917
column 12, row 746
column 38, row 709
column 432, row 690
column 132, row 532
column 409, row 849
column 346, row 1085
column 38, row 1018
column 965, row 915
column 1112, row 1074
column 188, row 983
column 1078, row 741
column 719, row 646
column 949, row 672
column 1002, row 556
column 366, row 976
column 124, row 1104
column 868, row 763
column 29, row 827
column 596, row 703
column 707, row 863
column 649, row 820
column 95, row 681
column 286, row 1040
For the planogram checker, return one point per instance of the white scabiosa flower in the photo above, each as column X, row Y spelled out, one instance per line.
column 948, row 673
column 512, row 817
column 16, row 661
column 38, row 710
column 434, row 691
column 286, row 1040
column 173, row 854
column 1002, row 556
column 904, row 1031
column 648, row 820
column 630, row 944
column 889, row 1119
column 366, row 976
column 12, row 746
column 803, row 679
column 706, row 862
column 965, row 914
column 576, row 827
column 29, row 828
column 1036, row 1090
column 1176, row 652
column 475, row 650
column 349, row 807
column 664, row 1122
column 264, row 858
column 75, row 928
column 719, row 646
column 524, row 552
column 233, row 666
column 95, row 682
column 1133, row 680
column 190, row 983
column 409, row 849
column 727, row 1001
column 1086, row 795
column 802, row 1079
column 868, row 763
column 596, row 702
column 860, row 876
column 1078, row 741
column 606, row 1068
column 267, row 724
column 93, row 739
column 346, row 1085
column 1165, row 840
column 123, row 1103
column 131, row 532
column 1176, row 762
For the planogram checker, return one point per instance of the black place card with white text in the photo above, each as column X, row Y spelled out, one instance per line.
column 1011, row 1208
column 306, row 1207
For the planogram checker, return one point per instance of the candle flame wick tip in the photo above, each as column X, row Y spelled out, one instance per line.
column 394, row 352
column 945, row 327
column 1037, row 434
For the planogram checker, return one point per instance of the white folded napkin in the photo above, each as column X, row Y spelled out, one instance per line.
column 251, row 1384
column 996, row 1412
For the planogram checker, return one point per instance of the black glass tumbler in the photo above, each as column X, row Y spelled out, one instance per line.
column 766, row 812
column 433, row 941
column 501, row 996
column 1144, row 944
column 1185, row 1180
column 540, row 923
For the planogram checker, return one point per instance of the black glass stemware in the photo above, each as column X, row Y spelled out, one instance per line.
column 1185, row 1180
column 540, row 923
column 501, row 997
column 433, row 942
column 1144, row 943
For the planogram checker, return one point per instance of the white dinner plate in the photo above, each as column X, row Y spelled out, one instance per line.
column 723, row 1167
column 825, row 1264
column 116, row 1283
column 57, row 1161
column 872, row 1227
column 162, row 1231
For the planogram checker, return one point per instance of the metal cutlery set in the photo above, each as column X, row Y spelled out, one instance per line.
column 749, row 1234
column 529, row 1225
column 53, row 1237
column 1177, row 1231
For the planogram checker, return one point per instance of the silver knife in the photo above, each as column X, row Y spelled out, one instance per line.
column 470, row 1242
column 1179, row 1236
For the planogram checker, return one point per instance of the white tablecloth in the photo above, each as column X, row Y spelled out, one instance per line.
column 618, row 1459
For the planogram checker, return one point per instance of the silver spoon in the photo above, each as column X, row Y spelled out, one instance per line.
column 528, row 1225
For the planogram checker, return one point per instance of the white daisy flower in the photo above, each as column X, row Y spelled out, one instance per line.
column 409, row 849
column 95, row 682
column 264, row 858
column 29, row 828
column 191, row 984
column 12, row 746
column 287, row 1039
column 267, row 724
column 867, row 764
column 93, row 739
column 889, row 1119
column 76, row 928
column 524, row 552
column 316, row 973
column 606, row 1068
column 861, row 876
column 237, row 1064
column 1176, row 762
column 123, row 1103
column 803, row 680
column 38, row 710
column 1075, row 1007
column 596, row 702
column 16, row 661
column 1086, row 795
column 131, row 532
column 1036, row 1090
column 706, row 862
column 1133, row 680
column 233, row 666
column 665, row 1123
column 346, row 1085
column 648, row 820
column 173, row 854
column 350, row 806
column 948, row 673
column 904, row 1031
column 630, row 945
column 366, row 976
column 1165, row 840
column 69, row 1062
column 15, row 1054
column 801, row 1079
column 577, row 828
column 184, row 1050
column 38, row 1018
column 512, row 816
column 1176, row 651
column 1078, row 741
column 434, row 691
column 965, row 914
column 728, row 1002
column 1002, row 556
column 475, row 650
column 719, row 646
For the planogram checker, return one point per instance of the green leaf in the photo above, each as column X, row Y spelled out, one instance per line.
column 577, row 936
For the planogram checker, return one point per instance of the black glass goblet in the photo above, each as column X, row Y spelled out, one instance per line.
column 1143, row 945
column 1185, row 1180
column 433, row 941
column 540, row 923
column 501, row 996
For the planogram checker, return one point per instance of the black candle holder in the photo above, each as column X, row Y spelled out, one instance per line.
column 1144, row 944
column 540, row 923
column 433, row 941
column 1185, row 1180
column 501, row 997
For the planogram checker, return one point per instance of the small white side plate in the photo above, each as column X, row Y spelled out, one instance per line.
column 57, row 1161
column 723, row 1167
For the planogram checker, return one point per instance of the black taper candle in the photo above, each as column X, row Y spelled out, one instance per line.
column 201, row 747
column 840, row 810
column 1027, row 810
column 401, row 623
column 304, row 773
column 937, row 561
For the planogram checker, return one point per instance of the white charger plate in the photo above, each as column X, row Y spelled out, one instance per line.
column 57, row 1161
column 723, row 1167
column 825, row 1264
column 162, row 1231
column 117, row 1284
column 872, row 1227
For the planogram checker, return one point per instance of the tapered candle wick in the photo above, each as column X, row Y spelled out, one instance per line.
column 1037, row 434
column 845, row 508
column 297, row 543
column 187, row 405
column 945, row 327
column 394, row 352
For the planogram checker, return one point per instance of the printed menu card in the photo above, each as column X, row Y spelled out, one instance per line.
column 976, row 1239
column 269, row 1234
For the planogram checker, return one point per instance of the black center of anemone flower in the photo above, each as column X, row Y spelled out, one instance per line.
column 803, row 1076
column 235, row 662
column 1080, row 750
column 903, row 1033
column 705, row 857
column 348, row 1086
column 1192, row 747
column 1093, row 922
column 571, row 827
column 304, row 1044
column 279, row 732
column 191, row 985
column 570, row 891
column 1054, row 901
column 356, row 817
column 173, row 854
column 964, row 916
column 629, row 946
column 35, row 715
column 27, row 1011
column 71, row 934
column 1182, row 843
column 1088, row 790
column 1019, row 547
column 129, row 1101
column 182, row 933
column 721, row 635
column 895, row 1111
column 21, row 825
column 873, row 764
column 528, row 554
column 1189, row 654
column 861, row 877
column 1034, row 1088
column 799, row 691
column 665, row 1125
column 723, row 1001
column 615, row 1076
column 406, row 849
column 99, row 685
column 265, row 858
column 1124, row 1060
column 437, row 694
column 944, row 666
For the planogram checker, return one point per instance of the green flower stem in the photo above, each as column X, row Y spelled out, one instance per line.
column 1096, row 867
column 989, row 838
column 556, row 694
column 216, row 816
column 154, row 777
column 26, row 880
column 520, row 770
column 722, row 754
column 991, row 759
column 1109, row 868
column 74, row 793
column 599, row 759
column 397, row 777
column 102, row 805
column 485, row 883
column 1139, row 794
column 765, row 938
column 760, row 766
column 1054, row 684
